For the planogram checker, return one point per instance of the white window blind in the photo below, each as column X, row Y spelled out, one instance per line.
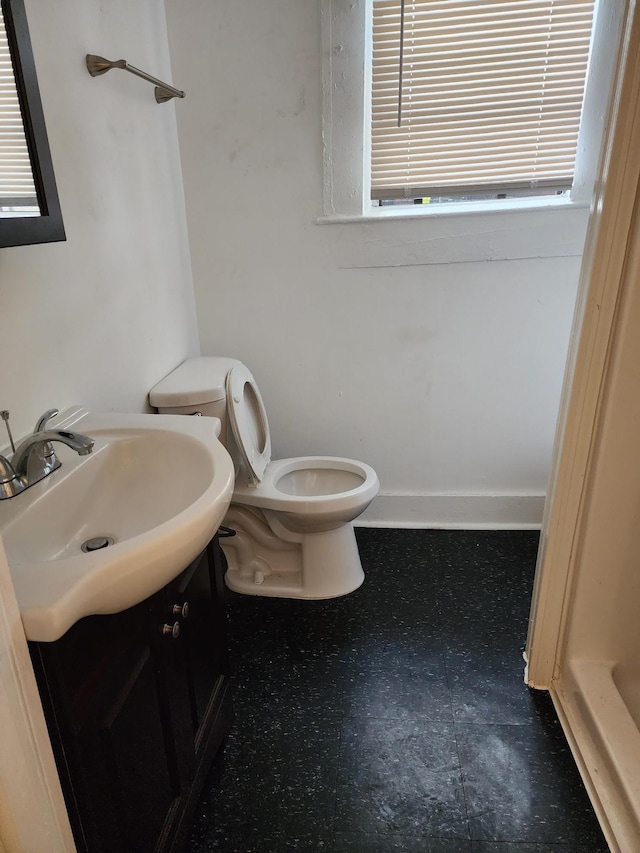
column 471, row 97
column 17, row 189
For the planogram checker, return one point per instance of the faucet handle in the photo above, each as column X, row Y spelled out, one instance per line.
column 45, row 418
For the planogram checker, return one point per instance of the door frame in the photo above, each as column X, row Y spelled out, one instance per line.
column 609, row 238
column 33, row 815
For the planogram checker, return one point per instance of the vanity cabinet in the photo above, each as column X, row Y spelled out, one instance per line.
column 137, row 703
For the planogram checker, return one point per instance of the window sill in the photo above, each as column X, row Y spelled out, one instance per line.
column 517, row 232
column 455, row 210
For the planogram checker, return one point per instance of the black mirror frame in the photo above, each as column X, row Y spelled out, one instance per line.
column 48, row 226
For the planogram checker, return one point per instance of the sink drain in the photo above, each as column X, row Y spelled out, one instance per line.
column 96, row 543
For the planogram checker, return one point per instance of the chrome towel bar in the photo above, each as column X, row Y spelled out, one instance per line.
column 99, row 65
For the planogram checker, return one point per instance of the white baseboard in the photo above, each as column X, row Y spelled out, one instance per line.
column 465, row 512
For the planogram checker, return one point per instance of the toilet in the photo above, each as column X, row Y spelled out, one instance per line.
column 292, row 517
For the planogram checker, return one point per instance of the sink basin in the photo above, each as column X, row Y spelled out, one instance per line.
column 156, row 488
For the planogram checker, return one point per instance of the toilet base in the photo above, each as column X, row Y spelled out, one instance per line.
column 302, row 565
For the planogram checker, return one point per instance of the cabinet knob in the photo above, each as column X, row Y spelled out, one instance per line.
column 170, row 630
column 181, row 610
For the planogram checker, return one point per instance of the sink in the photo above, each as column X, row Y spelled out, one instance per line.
column 155, row 488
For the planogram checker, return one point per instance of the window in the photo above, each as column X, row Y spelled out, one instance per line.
column 17, row 189
column 476, row 99
column 347, row 40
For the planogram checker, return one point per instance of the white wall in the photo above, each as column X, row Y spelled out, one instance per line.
column 99, row 319
column 444, row 376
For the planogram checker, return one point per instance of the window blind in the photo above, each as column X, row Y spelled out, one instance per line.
column 17, row 188
column 471, row 96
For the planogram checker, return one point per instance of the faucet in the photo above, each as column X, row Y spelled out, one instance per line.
column 34, row 458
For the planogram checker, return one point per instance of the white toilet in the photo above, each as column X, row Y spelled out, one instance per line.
column 292, row 517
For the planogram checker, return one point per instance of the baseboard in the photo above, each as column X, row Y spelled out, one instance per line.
column 465, row 512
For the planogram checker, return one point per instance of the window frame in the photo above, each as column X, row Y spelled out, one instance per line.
column 346, row 28
column 47, row 226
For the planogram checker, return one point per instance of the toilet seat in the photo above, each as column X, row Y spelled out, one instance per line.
column 249, row 424
column 360, row 485
column 314, row 487
column 311, row 492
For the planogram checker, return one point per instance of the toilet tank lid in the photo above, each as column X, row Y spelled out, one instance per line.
column 196, row 381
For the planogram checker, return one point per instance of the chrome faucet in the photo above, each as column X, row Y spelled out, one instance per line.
column 34, row 458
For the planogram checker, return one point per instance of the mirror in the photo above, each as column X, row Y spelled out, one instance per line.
column 29, row 206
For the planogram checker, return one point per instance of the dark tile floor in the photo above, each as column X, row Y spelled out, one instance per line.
column 396, row 718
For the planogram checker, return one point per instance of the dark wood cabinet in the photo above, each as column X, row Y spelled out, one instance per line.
column 137, row 704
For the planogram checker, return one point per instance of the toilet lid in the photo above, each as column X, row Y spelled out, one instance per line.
column 248, row 419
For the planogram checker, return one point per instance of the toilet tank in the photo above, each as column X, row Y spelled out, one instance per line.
column 197, row 385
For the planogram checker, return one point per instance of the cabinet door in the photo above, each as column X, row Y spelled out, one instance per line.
column 136, row 713
column 202, row 642
column 128, row 741
column 106, row 707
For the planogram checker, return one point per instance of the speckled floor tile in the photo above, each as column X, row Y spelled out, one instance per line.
column 553, row 847
column 400, row 778
column 285, row 688
column 521, row 784
column 308, row 842
column 206, row 838
column 376, row 722
column 488, row 687
column 384, row 843
column 389, row 650
column 402, row 694
column 265, row 635
column 258, row 840
column 275, row 776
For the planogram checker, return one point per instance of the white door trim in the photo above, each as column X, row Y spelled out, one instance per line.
column 599, row 291
column 33, row 817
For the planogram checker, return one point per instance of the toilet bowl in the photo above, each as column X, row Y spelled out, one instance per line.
column 292, row 517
